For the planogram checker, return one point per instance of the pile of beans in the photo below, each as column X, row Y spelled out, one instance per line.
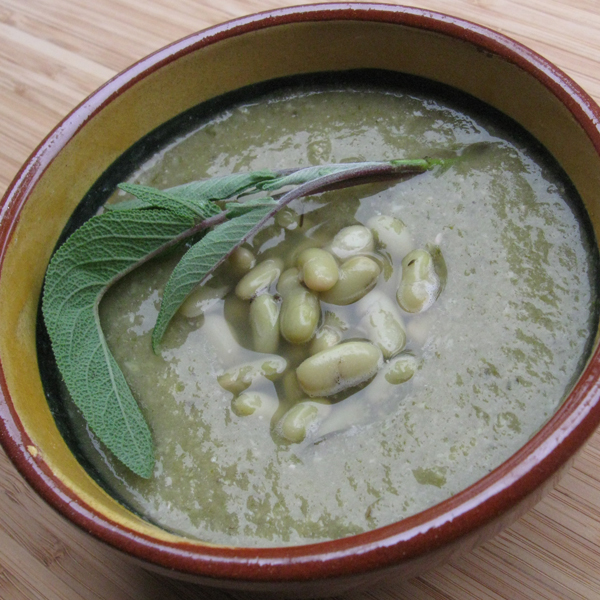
column 284, row 297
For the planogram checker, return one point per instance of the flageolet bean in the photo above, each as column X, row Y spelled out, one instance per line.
column 259, row 278
column 297, row 421
column 357, row 276
column 300, row 313
column 202, row 297
column 289, row 281
column 264, row 323
column 396, row 371
column 350, row 241
column 303, row 244
column 300, row 308
column 391, row 235
column 318, row 269
column 287, row 218
column 400, row 369
column 238, row 379
column 292, row 391
column 339, row 368
column 382, row 323
column 420, row 285
column 241, row 261
column 254, row 403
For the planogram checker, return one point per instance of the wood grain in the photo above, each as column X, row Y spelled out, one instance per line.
column 53, row 53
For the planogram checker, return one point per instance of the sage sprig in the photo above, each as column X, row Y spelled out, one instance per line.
column 128, row 234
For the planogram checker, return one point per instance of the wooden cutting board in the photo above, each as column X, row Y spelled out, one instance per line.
column 53, row 53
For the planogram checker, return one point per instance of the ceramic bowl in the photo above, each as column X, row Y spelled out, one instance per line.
column 281, row 43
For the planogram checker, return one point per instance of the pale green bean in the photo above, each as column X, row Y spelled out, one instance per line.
column 264, row 323
column 300, row 419
column 352, row 241
column 318, row 269
column 382, row 323
column 339, row 368
column 238, row 379
column 254, row 403
column 391, row 235
column 420, row 285
column 357, row 276
column 259, row 278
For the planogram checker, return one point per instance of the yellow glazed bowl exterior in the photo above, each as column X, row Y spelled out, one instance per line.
column 287, row 42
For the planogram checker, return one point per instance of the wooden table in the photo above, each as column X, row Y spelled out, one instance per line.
column 53, row 53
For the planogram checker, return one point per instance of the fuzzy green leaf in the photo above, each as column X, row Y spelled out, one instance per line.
column 222, row 188
column 199, row 261
column 114, row 243
column 79, row 274
column 235, row 209
column 186, row 207
column 309, row 174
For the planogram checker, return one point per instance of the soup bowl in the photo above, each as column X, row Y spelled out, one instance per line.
column 251, row 50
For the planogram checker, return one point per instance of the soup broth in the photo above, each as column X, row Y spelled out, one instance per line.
column 495, row 354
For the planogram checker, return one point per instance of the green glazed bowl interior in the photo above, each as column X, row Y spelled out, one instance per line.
column 282, row 43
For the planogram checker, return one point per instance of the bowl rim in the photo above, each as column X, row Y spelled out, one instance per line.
column 386, row 546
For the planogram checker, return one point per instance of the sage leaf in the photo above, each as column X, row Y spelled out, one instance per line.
column 200, row 260
column 203, row 258
column 189, row 208
column 195, row 199
column 235, row 209
column 301, row 176
column 79, row 274
column 222, row 188
column 129, row 233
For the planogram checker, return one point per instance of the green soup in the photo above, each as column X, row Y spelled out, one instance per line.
column 497, row 352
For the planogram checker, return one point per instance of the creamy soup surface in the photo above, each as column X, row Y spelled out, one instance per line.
column 497, row 352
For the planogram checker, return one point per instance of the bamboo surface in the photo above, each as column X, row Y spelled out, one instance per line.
column 53, row 53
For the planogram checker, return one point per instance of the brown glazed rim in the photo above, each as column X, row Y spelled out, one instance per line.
column 431, row 529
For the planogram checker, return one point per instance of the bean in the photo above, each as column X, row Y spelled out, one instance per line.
column 264, row 323
column 318, row 269
column 400, row 369
column 339, row 368
column 287, row 218
column 382, row 323
column 300, row 308
column 357, row 276
column 291, row 259
column 254, row 403
column 202, row 297
column 292, row 392
column 289, row 281
column 391, row 235
column 238, row 379
column 300, row 313
column 259, row 278
column 396, row 371
column 241, row 261
column 298, row 420
column 350, row 241
column 420, row 285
